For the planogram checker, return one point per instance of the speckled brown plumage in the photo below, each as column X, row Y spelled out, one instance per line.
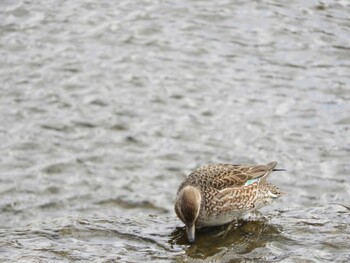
column 228, row 191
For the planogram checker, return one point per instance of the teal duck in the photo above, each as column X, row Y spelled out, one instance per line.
column 217, row 194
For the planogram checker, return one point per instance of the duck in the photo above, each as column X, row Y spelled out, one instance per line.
column 217, row 194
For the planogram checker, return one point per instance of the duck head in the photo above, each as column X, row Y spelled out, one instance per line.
column 187, row 207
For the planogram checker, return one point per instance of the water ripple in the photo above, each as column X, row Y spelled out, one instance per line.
column 105, row 107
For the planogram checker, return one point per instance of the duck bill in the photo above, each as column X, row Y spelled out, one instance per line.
column 190, row 231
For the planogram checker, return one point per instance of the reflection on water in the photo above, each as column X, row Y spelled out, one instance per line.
column 320, row 233
column 105, row 107
column 236, row 238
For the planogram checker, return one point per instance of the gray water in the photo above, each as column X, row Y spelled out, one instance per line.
column 106, row 106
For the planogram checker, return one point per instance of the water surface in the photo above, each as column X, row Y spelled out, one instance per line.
column 106, row 106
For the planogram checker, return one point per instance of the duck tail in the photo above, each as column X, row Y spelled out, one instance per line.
column 269, row 168
column 279, row 170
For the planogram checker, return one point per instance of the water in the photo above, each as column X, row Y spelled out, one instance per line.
column 106, row 106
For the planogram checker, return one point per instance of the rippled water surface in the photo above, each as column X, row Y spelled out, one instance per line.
column 106, row 106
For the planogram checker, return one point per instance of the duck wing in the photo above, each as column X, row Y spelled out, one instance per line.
column 241, row 196
column 221, row 176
